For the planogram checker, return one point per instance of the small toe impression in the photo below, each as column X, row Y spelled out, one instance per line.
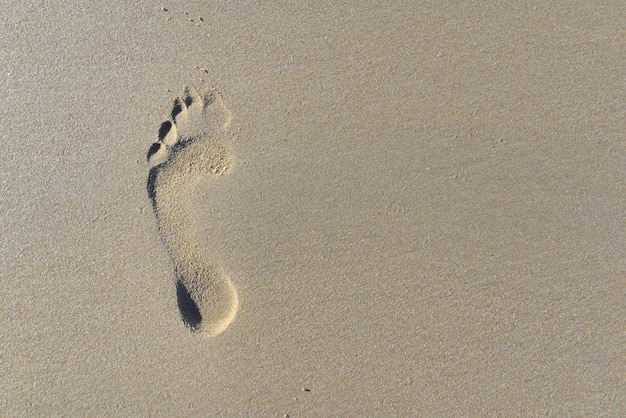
column 168, row 133
column 154, row 148
column 164, row 130
column 180, row 113
column 193, row 101
column 157, row 154
column 178, row 108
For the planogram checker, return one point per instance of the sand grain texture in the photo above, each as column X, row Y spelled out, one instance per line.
column 421, row 208
column 191, row 149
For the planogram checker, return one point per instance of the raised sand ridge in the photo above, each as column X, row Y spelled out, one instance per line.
column 191, row 149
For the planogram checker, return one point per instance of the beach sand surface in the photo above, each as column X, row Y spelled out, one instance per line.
column 423, row 211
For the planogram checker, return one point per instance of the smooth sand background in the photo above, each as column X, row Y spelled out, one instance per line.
column 425, row 215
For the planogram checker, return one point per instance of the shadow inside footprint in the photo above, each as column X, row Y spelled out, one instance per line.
column 206, row 298
column 188, row 309
column 151, row 186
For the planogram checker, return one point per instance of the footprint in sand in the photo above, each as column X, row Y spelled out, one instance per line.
column 192, row 149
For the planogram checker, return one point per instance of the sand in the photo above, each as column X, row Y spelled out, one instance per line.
column 419, row 208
